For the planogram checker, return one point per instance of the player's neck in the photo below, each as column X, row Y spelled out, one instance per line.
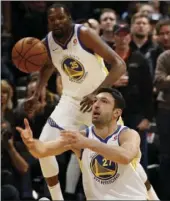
column 105, row 130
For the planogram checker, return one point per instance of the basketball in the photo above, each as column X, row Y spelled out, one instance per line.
column 29, row 54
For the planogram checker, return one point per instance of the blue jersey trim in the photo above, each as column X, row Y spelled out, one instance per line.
column 52, row 123
column 82, row 45
column 125, row 128
column 108, row 137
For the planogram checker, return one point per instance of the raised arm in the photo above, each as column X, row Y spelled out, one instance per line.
column 92, row 41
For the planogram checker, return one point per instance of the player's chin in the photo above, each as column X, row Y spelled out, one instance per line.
column 58, row 33
column 95, row 119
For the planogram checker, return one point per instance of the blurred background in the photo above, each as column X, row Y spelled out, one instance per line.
column 139, row 31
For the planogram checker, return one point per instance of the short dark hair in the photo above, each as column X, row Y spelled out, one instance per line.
column 108, row 10
column 161, row 23
column 119, row 100
column 60, row 5
column 139, row 15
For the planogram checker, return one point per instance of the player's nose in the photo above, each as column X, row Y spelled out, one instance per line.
column 57, row 22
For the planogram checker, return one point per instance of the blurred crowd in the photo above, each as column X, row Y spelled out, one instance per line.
column 140, row 33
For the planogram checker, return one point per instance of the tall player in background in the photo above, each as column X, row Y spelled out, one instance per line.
column 76, row 51
column 109, row 153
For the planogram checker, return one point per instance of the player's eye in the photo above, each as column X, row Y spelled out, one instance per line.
column 95, row 99
column 104, row 101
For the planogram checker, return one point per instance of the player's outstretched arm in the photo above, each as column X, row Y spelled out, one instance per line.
column 124, row 154
column 41, row 149
column 92, row 41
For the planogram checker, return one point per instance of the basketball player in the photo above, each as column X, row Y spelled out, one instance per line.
column 109, row 155
column 76, row 51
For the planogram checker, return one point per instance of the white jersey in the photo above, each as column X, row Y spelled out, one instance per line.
column 106, row 180
column 81, row 70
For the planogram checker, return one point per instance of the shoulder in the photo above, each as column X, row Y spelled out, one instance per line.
column 128, row 134
column 164, row 55
column 127, row 130
column 163, row 60
column 86, row 32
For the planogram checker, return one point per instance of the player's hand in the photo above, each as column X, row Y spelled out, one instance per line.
column 144, row 125
column 87, row 102
column 26, row 133
column 78, row 140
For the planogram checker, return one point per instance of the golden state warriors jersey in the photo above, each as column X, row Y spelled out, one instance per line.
column 82, row 71
column 106, row 180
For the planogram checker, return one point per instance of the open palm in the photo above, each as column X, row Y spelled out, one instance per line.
column 26, row 133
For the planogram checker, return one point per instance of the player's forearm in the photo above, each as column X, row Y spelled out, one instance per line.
column 41, row 149
column 110, row 152
column 118, row 68
column 45, row 74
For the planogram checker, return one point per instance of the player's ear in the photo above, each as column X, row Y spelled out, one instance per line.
column 117, row 112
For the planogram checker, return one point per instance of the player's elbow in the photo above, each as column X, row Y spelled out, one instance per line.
column 125, row 159
column 120, row 65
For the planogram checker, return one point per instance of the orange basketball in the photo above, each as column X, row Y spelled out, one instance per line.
column 29, row 54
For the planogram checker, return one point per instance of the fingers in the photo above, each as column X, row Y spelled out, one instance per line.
column 86, row 104
column 90, row 109
column 27, row 126
column 85, row 107
column 19, row 129
column 68, row 134
column 69, row 137
column 83, row 101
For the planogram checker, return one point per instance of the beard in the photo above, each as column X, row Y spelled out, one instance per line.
column 58, row 34
column 140, row 35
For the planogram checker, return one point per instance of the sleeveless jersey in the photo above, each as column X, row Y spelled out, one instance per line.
column 106, row 180
column 81, row 70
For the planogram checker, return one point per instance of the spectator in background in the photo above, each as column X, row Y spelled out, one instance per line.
column 6, row 102
column 133, row 7
column 13, row 165
column 162, row 83
column 108, row 19
column 140, row 29
column 141, row 40
column 163, row 33
column 146, row 9
column 45, row 107
column 135, row 86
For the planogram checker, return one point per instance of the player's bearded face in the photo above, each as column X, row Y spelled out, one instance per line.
column 58, row 22
column 102, row 111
